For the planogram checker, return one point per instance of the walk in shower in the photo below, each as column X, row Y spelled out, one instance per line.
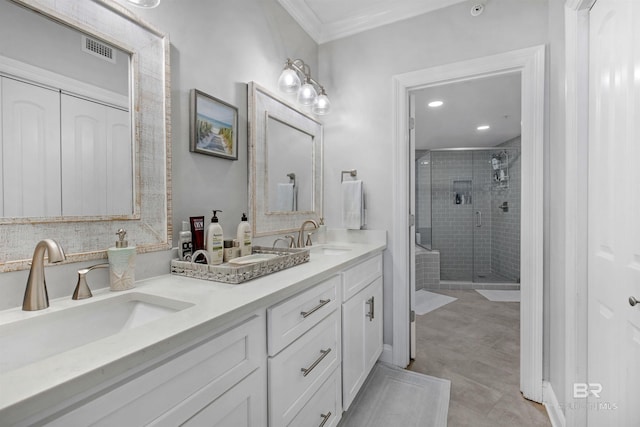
column 468, row 210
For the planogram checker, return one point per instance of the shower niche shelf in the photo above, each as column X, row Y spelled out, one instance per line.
column 461, row 191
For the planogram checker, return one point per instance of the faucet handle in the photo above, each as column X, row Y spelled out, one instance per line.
column 82, row 290
column 292, row 240
column 308, row 242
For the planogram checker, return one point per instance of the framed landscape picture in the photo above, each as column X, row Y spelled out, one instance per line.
column 214, row 126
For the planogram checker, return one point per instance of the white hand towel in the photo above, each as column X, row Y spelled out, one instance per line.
column 353, row 205
column 285, row 197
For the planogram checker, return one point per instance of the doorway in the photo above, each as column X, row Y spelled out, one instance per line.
column 530, row 62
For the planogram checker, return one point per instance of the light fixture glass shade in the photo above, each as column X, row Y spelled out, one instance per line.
column 145, row 3
column 307, row 94
column 322, row 105
column 289, row 82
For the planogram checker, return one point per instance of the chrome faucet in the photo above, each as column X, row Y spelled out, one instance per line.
column 301, row 243
column 35, row 295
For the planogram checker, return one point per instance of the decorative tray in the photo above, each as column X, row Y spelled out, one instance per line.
column 234, row 273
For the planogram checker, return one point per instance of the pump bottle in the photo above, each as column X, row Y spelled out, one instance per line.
column 214, row 240
column 243, row 236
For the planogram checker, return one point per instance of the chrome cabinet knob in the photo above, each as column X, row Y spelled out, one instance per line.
column 633, row 301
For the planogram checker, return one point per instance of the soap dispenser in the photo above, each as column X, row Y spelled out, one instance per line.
column 122, row 264
column 214, row 240
column 243, row 236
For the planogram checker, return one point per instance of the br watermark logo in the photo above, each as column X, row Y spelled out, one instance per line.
column 583, row 390
column 586, row 390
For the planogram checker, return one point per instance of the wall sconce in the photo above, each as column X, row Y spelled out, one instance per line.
column 296, row 78
column 145, row 3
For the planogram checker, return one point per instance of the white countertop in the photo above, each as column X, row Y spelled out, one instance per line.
column 29, row 389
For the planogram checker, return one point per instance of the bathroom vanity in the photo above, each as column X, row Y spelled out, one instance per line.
column 292, row 348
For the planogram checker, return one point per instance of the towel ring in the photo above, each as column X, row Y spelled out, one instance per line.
column 351, row 172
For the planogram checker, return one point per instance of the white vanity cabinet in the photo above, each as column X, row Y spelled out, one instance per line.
column 217, row 380
column 304, row 341
column 361, row 325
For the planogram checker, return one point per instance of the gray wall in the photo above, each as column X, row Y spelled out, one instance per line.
column 217, row 47
column 357, row 73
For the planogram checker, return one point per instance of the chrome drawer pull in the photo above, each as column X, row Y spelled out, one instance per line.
column 307, row 371
column 371, row 314
column 325, row 418
column 323, row 302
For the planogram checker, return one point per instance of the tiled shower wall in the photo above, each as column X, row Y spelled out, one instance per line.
column 452, row 223
column 505, row 226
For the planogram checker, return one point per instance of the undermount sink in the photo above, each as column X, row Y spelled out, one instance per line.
column 331, row 250
column 37, row 338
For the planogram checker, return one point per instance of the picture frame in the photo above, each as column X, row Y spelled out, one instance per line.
column 213, row 126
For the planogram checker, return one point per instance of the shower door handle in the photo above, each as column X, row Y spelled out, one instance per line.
column 478, row 219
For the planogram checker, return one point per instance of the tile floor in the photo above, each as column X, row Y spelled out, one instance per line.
column 475, row 343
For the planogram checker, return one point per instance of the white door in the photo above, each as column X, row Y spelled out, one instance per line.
column 614, row 215
column 412, row 225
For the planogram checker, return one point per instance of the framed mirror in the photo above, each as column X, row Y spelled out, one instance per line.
column 285, row 164
column 91, row 84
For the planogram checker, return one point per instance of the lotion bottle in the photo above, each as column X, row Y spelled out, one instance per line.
column 122, row 264
column 214, row 240
column 243, row 235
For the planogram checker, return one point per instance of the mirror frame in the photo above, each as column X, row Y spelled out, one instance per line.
column 150, row 228
column 262, row 105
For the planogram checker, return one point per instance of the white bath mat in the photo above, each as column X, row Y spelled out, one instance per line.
column 396, row 397
column 501, row 296
column 428, row 301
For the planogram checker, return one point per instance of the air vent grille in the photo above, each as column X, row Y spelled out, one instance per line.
column 97, row 48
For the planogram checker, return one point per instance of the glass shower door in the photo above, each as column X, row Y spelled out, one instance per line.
column 482, row 216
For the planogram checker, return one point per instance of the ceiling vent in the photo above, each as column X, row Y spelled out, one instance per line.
column 97, row 48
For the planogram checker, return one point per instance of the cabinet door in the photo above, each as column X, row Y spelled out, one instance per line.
column 373, row 325
column 361, row 338
column 173, row 389
column 30, row 151
column 242, row 406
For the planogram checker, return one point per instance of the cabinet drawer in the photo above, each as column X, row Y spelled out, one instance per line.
column 182, row 384
column 358, row 277
column 297, row 372
column 326, row 404
column 291, row 318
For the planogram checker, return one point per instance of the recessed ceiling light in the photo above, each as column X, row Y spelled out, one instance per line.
column 434, row 104
column 483, row 127
column 145, row 3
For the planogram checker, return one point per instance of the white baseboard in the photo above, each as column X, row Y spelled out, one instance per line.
column 552, row 405
column 387, row 355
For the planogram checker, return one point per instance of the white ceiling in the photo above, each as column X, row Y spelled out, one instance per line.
column 494, row 101
column 326, row 20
